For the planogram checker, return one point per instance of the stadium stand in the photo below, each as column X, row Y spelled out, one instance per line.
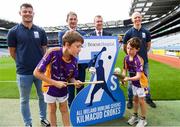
column 4, row 27
column 166, row 32
column 153, row 9
column 3, row 34
column 52, row 39
column 161, row 17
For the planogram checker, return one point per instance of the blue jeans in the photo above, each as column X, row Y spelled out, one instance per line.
column 130, row 93
column 24, row 85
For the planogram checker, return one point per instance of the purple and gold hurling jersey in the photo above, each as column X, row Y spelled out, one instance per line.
column 56, row 68
column 136, row 66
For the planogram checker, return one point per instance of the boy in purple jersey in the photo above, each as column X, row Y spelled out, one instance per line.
column 133, row 63
column 56, row 68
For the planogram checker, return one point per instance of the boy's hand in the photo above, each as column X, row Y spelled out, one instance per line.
column 60, row 84
column 78, row 83
column 126, row 79
column 122, row 82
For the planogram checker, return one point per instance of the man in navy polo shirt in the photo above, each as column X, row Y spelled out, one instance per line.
column 144, row 35
column 27, row 43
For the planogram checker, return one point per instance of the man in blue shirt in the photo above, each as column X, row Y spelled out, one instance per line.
column 144, row 35
column 27, row 44
column 72, row 25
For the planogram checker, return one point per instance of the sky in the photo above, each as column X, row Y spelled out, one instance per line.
column 53, row 12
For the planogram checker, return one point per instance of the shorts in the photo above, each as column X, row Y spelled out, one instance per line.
column 140, row 92
column 51, row 99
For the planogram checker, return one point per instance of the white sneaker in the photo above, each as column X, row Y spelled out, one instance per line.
column 141, row 123
column 134, row 119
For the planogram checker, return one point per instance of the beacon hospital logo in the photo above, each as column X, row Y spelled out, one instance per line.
column 98, row 103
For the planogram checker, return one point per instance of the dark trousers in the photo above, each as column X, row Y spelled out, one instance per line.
column 81, row 77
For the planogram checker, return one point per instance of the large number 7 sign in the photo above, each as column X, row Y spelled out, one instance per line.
column 97, row 103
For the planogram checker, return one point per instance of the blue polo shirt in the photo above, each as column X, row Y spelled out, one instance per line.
column 28, row 44
column 145, row 37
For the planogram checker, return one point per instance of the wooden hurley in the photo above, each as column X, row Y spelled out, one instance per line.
column 93, row 82
column 89, row 82
column 120, row 76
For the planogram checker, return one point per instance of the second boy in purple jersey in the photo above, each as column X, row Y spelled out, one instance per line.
column 133, row 63
column 57, row 67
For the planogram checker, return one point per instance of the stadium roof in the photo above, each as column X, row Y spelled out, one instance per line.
column 6, row 24
column 151, row 9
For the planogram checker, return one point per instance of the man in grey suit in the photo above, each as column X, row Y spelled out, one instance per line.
column 98, row 21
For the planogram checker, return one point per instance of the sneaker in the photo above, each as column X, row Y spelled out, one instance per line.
column 130, row 105
column 134, row 119
column 150, row 102
column 45, row 123
column 141, row 123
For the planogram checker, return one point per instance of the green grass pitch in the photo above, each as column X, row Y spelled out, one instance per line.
column 164, row 80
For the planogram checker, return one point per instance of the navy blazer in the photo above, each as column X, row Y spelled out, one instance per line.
column 61, row 33
column 105, row 33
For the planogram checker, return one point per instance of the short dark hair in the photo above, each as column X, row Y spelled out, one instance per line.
column 26, row 5
column 134, row 42
column 71, row 37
